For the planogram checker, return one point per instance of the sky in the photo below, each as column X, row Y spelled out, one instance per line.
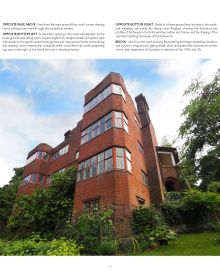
column 41, row 99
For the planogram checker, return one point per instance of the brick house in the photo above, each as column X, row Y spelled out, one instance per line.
column 114, row 148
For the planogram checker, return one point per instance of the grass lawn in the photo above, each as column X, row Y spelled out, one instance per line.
column 191, row 244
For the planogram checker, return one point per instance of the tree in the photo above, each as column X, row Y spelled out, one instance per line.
column 46, row 209
column 7, row 197
column 201, row 130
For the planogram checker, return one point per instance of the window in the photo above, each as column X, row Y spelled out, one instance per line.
column 128, row 160
column 41, row 179
column 95, row 165
column 144, row 178
column 140, row 148
column 103, row 162
column 92, row 206
column 120, row 158
column 61, row 152
column 48, row 180
column 121, row 121
column 38, row 155
column 61, row 170
column 104, row 124
column 140, row 200
column 118, row 119
column 97, row 128
column 32, row 178
column 111, row 89
column 77, row 155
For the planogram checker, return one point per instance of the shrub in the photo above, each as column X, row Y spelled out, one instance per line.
column 92, row 228
column 214, row 187
column 174, row 196
column 195, row 210
column 35, row 246
column 146, row 219
column 149, row 225
column 108, row 247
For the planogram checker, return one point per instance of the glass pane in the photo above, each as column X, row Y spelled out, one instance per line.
column 101, row 167
column 45, row 156
column 95, row 205
column 87, row 162
column 81, row 165
column 108, row 153
column 108, row 91
column 116, row 89
column 93, row 160
column 108, row 124
column 102, row 128
column 86, row 173
column 120, row 152
column 40, row 155
column 125, row 119
column 89, row 135
column 128, row 165
column 93, row 170
column 118, row 123
column 108, row 116
column 34, row 178
column 126, row 127
column 108, row 164
column 120, row 163
column 128, row 155
column 118, row 115
column 101, row 157
column 95, row 132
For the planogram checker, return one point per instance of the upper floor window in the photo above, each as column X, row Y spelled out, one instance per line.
column 119, row 158
column 112, row 119
column 77, row 155
column 95, row 165
column 97, row 128
column 33, row 178
column 140, row 148
column 61, row 152
column 113, row 88
column 38, row 155
column 144, row 178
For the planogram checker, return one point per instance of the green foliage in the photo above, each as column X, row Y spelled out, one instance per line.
column 45, row 210
column 36, row 246
column 91, row 229
column 108, row 248
column 201, row 130
column 194, row 208
column 173, row 196
column 149, row 224
column 214, row 187
column 146, row 219
column 7, row 197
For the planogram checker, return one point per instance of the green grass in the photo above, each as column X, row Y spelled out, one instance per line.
column 193, row 244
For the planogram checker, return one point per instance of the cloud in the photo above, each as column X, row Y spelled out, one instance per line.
column 166, row 111
column 165, row 96
column 21, row 129
column 7, row 65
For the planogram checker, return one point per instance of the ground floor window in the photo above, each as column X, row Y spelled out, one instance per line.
column 92, row 206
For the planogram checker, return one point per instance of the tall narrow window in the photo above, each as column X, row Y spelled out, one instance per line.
column 128, row 160
column 120, row 158
column 144, row 178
